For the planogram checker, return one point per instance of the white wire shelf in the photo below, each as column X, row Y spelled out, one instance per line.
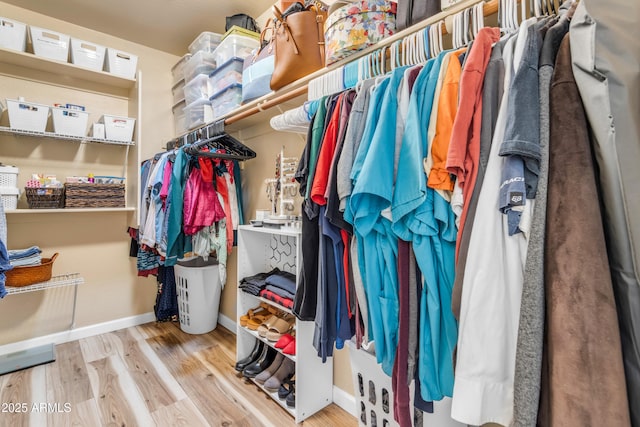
column 70, row 279
column 52, row 135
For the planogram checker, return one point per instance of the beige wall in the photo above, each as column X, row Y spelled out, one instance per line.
column 95, row 245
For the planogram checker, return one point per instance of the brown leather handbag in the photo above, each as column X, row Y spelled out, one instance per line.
column 299, row 44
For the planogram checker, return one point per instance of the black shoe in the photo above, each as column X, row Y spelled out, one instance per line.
column 291, row 397
column 285, row 389
column 263, row 362
column 255, row 353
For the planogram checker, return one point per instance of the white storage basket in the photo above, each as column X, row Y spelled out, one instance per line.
column 9, row 198
column 13, row 34
column 49, row 44
column 198, row 290
column 118, row 128
column 9, row 176
column 67, row 121
column 121, row 63
column 27, row 115
column 87, row 54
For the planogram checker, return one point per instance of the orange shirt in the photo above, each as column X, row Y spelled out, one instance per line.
column 447, row 107
column 464, row 148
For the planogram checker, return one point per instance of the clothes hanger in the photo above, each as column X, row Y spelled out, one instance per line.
column 214, row 137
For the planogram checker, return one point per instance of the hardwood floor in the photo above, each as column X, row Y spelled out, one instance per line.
column 149, row 375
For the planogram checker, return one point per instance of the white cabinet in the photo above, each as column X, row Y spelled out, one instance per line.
column 50, row 82
column 261, row 250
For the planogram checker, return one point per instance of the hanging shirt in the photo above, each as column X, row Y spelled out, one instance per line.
column 372, row 193
column 177, row 243
column 464, row 150
column 422, row 216
column 483, row 390
column 521, row 145
column 439, row 178
column 155, row 214
column 201, row 205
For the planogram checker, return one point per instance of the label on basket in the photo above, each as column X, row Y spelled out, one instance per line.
column 44, row 191
column 119, row 123
column 28, row 107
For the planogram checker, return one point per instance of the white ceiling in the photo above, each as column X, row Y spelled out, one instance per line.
column 167, row 25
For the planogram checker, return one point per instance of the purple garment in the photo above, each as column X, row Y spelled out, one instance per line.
column 201, row 205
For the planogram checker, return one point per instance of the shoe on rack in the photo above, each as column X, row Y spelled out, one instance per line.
column 291, row 397
column 290, row 348
column 271, row 369
column 286, row 370
column 284, row 340
column 285, row 388
column 265, row 359
column 252, row 357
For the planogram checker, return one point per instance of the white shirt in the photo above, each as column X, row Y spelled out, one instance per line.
column 491, row 294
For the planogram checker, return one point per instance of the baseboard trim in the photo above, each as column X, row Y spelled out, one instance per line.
column 344, row 400
column 227, row 322
column 79, row 333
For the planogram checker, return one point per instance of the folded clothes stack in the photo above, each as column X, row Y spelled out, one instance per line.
column 25, row 257
column 278, row 286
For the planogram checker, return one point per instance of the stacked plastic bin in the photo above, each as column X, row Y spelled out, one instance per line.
column 225, row 82
column 196, row 69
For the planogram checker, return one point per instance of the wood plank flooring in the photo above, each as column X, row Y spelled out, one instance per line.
column 149, row 375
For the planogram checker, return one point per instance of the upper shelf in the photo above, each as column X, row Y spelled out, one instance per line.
column 32, row 67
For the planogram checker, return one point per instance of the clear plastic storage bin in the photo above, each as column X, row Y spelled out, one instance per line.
column 177, row 71
column 198, row 113
column 235, row 46
column 199, row 63
column 205, row 42
column 225, row 75
column 226, row 100
column 179, row 120
column 197, row 88
column 178, row 91
column 13, row 34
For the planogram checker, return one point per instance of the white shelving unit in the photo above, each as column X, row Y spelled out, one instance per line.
column 261, row 250
column 22, row 73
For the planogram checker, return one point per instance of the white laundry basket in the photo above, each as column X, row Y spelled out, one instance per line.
column 198, row 287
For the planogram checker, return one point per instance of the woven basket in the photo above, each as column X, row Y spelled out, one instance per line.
column 30, row 274
column 92, row 195
column 45, row 198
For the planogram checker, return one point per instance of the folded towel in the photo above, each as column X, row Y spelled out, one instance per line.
column 23, row 253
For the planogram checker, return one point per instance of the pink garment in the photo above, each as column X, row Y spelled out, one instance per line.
column 221, row 183
column 166, row 179
column 201, row 205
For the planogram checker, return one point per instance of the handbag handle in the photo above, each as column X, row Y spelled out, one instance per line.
column 320, row 18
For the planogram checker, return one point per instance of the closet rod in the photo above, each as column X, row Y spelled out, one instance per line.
column 265, row 105
column 490, row 7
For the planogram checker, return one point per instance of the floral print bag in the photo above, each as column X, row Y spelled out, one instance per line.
column 356, row 25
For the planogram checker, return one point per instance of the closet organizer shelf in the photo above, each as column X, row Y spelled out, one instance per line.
column 52, row 135
column 70, row 210
column 266, row 341
column 263, row 249
column 70, row 279
column 274, row 396
column 29, row 63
